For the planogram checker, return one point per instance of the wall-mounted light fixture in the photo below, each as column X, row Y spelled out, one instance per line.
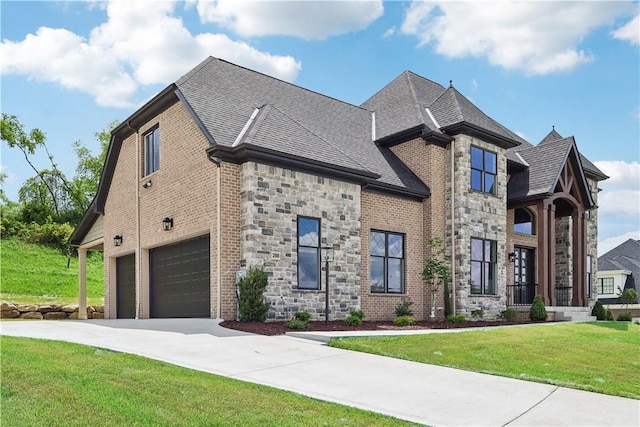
column 512, row 257
column 117, row 240
column 147, row 184
column 167, row 224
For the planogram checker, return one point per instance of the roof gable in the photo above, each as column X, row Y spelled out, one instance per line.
column 553, row 168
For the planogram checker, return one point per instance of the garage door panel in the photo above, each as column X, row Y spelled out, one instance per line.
column 180, row 279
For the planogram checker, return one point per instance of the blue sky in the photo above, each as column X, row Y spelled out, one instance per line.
column 70, row 68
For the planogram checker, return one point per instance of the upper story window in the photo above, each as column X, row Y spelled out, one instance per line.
column 523, row 221
column 386, row 261
column 151, row 151
column 308, row 253
column 484, row 168
column 483, row 267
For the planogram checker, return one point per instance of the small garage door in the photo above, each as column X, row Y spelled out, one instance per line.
column 179, row 279
column 126, row 287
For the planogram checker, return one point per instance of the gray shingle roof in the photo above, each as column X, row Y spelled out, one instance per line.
column 295, row 120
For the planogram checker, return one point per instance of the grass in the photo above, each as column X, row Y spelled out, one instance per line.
column 48, row 383
column 602, row 357
column 39, row 274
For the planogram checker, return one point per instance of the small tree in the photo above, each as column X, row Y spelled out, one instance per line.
column 627, row 296
column 537, row 310
column 436, row 273
column 251, row 289
column 599, row 311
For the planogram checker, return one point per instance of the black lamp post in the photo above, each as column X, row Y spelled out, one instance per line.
column 327, row 256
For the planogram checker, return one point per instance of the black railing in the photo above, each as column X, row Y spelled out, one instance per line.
column 563, row 296
column 521, row 294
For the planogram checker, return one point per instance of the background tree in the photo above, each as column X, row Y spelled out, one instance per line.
column 89, row 167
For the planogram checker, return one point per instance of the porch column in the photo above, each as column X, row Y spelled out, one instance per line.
column 579, row 258
column 82, row 284
column 546, row 249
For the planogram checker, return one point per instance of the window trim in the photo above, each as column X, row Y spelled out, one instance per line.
column 317, row 248
column 492, row 263
column 483, row 171
column 154, row 133
column 386, row 259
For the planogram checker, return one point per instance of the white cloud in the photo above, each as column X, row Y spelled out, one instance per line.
column 305, row 19
column 534, row 37
column 10, row 177
column 391, row 31
column 606, row 245
column 629, row 32
column 139, row 44
column 621, row 192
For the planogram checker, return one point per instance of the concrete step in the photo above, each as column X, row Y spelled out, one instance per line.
column 575, row 314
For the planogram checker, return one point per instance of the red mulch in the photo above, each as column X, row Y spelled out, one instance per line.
column 279, row 328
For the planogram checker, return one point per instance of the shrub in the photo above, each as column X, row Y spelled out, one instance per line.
column 404, row 308
column 537, row 311
column 456, row 318
column 406, row 320
column 251, row 303
column 624, row 317
column 358, row 313
column 49, row 233
column 297, row 324
column 305, row 316
column 509, row 315
column 599, row 311
column 477, row 314
column 353, row 320
column 609, row 315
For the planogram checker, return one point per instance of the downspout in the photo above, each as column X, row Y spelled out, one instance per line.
column 453, row 237
column 138, row 255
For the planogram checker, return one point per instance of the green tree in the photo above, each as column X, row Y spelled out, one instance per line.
column 436, row 272
column 627, row 296
column 89, row 167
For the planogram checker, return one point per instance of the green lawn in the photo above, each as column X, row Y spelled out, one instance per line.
column 603, row 357
column 46, row 383
column 38, row 274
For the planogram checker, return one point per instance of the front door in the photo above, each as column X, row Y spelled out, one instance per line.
column 525, row 288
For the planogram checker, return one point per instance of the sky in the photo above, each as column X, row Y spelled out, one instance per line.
column 70, row 68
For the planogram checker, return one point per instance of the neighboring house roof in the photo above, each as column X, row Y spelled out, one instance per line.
column 625, row 256
column 413, row 102
column 546, row 162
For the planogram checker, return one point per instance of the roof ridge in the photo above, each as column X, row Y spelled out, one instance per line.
column 321, row 138
column 421, row 112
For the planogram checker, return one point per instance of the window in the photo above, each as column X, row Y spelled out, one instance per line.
column 483, row 267
column 589, row 276
column 308, row 253
column 151, row 151
column 605, row 286
column 386, row 262
column 483, row 170
column 523, row 221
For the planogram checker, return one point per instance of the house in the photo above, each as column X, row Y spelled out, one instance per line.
column 618, row 269
column 228, row 168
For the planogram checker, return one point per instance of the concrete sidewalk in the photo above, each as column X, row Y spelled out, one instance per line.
column 412, row 391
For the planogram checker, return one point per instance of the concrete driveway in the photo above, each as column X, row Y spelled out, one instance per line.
column 412, row 391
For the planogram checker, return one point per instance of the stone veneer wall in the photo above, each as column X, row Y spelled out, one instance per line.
column 564, row 252
column 592, row 240
column 47, row 311
column 271, row 199
column 483, row 216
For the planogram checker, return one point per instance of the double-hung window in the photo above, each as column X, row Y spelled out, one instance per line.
column 151, row 151
column 386, row 262
column 308, row 253
column 484, row 168
column 483, row 267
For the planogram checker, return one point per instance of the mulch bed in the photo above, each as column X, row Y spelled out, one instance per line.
column 279, row 328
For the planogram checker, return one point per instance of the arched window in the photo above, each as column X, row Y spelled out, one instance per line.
column 524, row 221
